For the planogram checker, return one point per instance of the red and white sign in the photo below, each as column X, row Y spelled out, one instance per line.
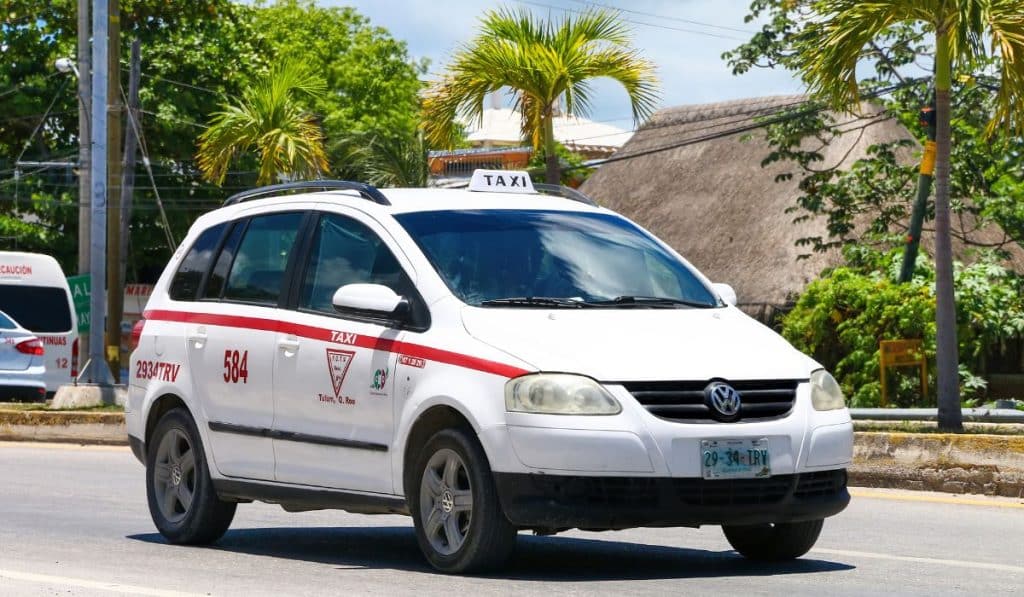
column 337, row 363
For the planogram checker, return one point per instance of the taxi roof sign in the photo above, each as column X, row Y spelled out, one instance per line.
column 501, row 181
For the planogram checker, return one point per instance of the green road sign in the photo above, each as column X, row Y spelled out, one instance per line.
column 80, row 286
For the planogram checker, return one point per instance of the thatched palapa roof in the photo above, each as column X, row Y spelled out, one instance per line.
column 714, row 203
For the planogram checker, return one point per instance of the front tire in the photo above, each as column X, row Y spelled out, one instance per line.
column 774, row 542
column 182, row 501
column 460, row 525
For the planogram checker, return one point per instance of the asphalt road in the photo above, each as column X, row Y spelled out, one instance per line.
column 73, row 521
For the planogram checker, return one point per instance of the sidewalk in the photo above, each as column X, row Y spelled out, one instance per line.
column 988, row 459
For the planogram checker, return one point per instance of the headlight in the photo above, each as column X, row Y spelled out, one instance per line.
column 559, row 394
column 825, row 391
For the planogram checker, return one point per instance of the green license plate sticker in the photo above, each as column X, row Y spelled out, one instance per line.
column 735, row 458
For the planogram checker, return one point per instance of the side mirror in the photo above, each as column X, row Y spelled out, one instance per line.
column 727, row 294
column 375, row 299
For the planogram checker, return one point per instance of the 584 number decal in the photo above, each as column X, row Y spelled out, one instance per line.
column 236, row 366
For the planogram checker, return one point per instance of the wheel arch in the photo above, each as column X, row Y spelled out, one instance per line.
column 160, row 406
column 430, row 421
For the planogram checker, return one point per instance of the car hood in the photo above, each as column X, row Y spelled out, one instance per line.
column 640, row 344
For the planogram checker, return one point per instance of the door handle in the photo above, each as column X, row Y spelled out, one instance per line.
column 198, row 338
column 288, row 344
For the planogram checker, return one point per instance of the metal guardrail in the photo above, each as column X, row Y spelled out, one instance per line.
column 973, row 415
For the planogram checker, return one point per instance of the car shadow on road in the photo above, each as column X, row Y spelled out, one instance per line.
column 568, row 559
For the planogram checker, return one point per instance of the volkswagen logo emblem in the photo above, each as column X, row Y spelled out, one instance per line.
column 723, row 399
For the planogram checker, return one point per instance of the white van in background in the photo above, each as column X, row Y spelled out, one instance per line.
column 35, row 292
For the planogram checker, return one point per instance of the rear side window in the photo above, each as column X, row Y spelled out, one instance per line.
column 257, row 274
column 190, row 273
column 215, row 283
column 40, row 309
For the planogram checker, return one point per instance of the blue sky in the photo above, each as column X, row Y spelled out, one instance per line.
column 687, row 54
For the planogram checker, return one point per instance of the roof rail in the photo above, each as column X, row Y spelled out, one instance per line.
column 542, row 188
column 564, row 192
column 365, row 191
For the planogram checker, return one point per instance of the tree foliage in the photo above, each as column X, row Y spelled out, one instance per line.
column 870, row 200
column 841, row 318
column 196, row 56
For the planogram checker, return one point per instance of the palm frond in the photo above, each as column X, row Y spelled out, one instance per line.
column 1005, row 20
column 270, row 121
column 541, row 61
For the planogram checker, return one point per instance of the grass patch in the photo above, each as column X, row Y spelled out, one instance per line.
column 45, row 406
column 931, row 427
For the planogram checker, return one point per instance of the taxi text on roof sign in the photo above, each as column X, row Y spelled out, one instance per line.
column 501, row 181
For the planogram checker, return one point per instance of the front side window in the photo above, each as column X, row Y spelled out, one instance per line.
column 347, row 252
column 572, row 259
column 257, row 272
column 190, row 273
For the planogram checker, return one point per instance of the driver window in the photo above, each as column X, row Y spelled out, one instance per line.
column 347, row 252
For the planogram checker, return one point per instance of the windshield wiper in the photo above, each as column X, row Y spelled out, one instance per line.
column 534, row 301
column 650, row 301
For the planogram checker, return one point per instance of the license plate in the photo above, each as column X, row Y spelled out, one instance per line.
column 735, row 458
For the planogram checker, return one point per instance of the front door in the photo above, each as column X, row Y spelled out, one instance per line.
column 333, row 423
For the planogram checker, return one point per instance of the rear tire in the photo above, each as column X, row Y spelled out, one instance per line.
column 182, row 501
column 460, row 525
column 774, row 542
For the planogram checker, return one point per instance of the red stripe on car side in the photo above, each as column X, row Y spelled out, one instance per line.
column 325, row 335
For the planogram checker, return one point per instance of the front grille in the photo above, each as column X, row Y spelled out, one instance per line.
column 820, row 484
column 640, row 492
column 767, row 491
column 734, row 492
column 683, row 401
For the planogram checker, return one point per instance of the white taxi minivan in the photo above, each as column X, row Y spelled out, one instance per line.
column 34, row 292
column 487, row 360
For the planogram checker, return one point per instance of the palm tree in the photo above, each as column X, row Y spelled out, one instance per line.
column 270, row 121
column 541, row 62
column 828, row 55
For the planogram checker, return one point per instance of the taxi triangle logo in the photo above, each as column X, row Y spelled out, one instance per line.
column 337, row 363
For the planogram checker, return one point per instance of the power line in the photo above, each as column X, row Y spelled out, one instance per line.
column 727, row 133
column 23, row 84
column 667, row 27
column 181, row 84
column 658, row 16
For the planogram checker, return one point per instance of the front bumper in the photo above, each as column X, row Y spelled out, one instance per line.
column 602, row 503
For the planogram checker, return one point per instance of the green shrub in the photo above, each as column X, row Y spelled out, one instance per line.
column 841, row 318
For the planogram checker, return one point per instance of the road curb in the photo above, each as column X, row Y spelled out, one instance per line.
column 63, row 426
column 953, row 463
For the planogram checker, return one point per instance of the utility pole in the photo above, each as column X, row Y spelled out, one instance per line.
column 115, row 294
column 131, row 133
column 84, row 91
column 97, row 370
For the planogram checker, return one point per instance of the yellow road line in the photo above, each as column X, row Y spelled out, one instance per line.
column 935, row 499
column 63, row 446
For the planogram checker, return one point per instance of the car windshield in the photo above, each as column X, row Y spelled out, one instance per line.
column 553, row 259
